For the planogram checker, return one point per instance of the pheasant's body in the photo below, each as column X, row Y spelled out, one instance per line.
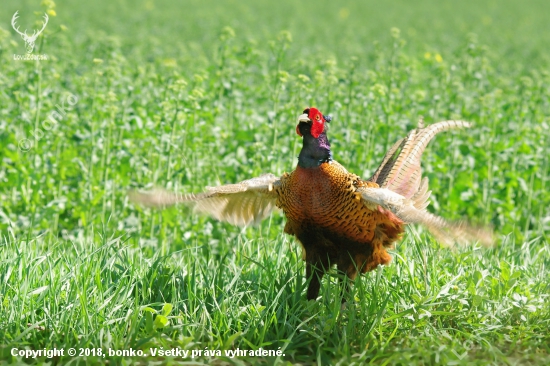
column 337, row 217
column 325, row 200
column 325, row 213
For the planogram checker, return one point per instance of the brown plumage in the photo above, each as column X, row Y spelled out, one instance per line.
column 337, row 217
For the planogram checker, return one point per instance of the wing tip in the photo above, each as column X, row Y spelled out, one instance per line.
column 464, row 233
column 157, row 198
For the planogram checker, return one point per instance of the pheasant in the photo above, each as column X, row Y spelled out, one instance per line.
column 337, row 217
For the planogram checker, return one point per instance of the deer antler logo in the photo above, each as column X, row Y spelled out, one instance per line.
column 29, row 40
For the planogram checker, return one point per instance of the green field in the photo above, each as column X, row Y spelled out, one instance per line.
column 186, row 94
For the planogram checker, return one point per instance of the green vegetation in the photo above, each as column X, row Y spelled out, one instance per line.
column 195, row 93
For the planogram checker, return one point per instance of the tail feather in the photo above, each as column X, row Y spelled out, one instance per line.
column 421, row 198
column 400, row 170
column 404, row 192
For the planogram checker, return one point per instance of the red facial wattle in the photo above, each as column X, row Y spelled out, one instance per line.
column 317, row 122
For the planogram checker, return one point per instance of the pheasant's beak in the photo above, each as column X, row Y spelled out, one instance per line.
column 304, row 118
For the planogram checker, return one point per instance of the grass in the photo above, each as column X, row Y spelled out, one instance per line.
column 189, row 94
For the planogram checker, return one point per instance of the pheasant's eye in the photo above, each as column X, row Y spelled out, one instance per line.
column 317, row 118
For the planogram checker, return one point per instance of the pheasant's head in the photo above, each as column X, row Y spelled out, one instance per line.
column 312, row 121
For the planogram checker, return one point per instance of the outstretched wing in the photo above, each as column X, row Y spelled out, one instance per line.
column 249, row 201
column 405, row 193
column 405, row 209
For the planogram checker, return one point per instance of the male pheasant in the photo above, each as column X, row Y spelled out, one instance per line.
column 337, row 217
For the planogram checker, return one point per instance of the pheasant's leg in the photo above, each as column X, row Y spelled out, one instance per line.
column 345, row 286
column 348, row 272
column 316, row 266
column 314, row 274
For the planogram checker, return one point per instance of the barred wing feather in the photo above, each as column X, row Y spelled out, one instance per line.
column 445, row 231
column 244, row 203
